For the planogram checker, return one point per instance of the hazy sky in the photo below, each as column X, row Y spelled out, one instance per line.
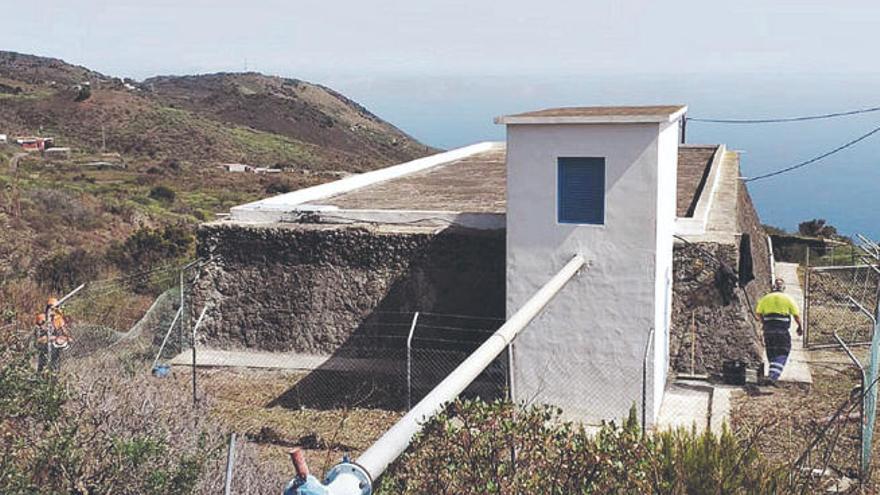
column 315, row 38
column 441, row 70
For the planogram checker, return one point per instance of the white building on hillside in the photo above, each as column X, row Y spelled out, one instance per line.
column 600, row 182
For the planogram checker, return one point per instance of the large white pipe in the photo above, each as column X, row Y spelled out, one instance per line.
column 392, row 444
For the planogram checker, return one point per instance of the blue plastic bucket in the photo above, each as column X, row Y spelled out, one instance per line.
column 161, row 370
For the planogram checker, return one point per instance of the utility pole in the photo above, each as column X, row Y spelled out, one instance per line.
column 103, row 140
column 684, row 121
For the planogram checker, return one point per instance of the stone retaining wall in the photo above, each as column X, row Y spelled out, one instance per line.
column 322, row 288
column 316, row 288
column 715, row 304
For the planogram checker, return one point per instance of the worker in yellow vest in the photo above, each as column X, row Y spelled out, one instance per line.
column 775, row 311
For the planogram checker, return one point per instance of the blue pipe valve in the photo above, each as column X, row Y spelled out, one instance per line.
column 352, row 479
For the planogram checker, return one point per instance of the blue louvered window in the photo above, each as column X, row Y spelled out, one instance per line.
column 581, row 190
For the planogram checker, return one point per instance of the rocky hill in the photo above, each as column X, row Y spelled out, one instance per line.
column 144, row 171
column 202, row 119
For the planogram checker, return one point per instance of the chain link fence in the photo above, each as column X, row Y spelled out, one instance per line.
column 392, row 363
column 840, row 299
column 841, row 309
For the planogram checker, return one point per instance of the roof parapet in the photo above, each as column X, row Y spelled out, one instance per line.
column 598, row 115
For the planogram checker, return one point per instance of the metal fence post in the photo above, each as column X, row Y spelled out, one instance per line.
column 409, row 338
column 808, row 273
column 230, row 462
column 180, row 329
column 194, row 328
column 862, row 396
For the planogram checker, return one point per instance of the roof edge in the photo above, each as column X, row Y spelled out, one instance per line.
column 288, row 201
column 610, row 118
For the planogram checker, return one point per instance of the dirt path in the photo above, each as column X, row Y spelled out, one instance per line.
column 13, row 162
column 797, row 369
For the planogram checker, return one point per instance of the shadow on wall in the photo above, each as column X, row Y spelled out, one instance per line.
column 459, row 292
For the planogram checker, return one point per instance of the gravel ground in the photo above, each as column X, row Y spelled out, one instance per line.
column 788, row 419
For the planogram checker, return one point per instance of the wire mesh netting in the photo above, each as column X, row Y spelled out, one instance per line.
column 840, row 299
column 105, row 318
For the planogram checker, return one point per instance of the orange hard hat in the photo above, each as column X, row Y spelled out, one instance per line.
column 52, row 301
column 41, row 318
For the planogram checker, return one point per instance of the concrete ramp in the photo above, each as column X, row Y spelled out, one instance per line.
column 797, row 370
column 285, row 361
column 697, row 405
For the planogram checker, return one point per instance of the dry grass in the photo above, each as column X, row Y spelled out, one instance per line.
column 792, row 416
column 241, row 400
column 252, row 403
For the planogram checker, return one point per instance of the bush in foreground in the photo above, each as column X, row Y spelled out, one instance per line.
column 469, row 449
column 96, row 431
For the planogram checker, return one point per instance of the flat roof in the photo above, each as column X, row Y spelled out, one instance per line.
column 597, row 115
column 463, row 186
column 473, row 184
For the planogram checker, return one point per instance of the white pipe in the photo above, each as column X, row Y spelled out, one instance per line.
column 69, row 295
column 395, row 441
column 167, row 334
column 409, row 338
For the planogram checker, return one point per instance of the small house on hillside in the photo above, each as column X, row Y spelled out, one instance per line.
column 33, row 143
column 237, row 167
column 3, row 138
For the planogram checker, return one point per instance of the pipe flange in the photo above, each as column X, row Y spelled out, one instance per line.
column 365, row 484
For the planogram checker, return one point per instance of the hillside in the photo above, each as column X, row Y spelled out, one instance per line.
column 145, row 156
column 204, row 119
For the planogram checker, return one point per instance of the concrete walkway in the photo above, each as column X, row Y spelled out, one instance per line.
column 797, row 370
column 695, row 404
column 284, row 361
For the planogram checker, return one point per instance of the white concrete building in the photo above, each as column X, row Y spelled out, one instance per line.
column 600, row 182
column 237, row 167
column 477, row 230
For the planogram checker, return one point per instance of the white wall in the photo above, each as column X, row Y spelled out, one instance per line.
column 666, row 225
column 585, row 353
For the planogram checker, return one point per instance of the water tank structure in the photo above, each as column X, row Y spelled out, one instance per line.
column 600, row 182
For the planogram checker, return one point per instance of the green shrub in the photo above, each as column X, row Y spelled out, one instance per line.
column 163, row 193
column 484, row 448
column 94, row 432
column 63, row 271
column 277, row 187
column 53, row 209
column 146, row 249
column 83, row 92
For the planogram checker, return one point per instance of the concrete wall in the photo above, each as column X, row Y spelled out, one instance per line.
column 326, row 289
column 585, row 353
column 666, row 211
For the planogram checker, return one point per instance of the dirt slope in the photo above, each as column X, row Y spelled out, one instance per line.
column 204, row 119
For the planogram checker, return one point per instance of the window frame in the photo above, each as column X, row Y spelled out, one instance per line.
column 559, row 193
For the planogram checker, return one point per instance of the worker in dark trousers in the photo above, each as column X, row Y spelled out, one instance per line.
column 775, row 311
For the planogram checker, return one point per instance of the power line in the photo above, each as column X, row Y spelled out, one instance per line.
column 801, row 118
column 816, row 158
